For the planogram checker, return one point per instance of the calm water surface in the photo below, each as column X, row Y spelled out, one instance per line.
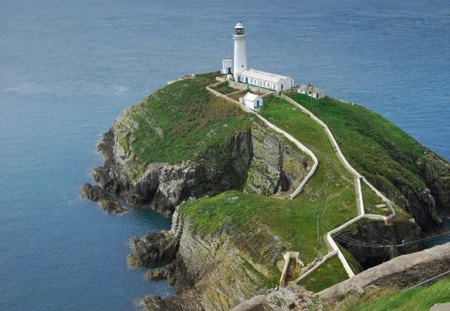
column 68, row 68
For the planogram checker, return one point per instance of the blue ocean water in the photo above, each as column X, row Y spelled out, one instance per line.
column 68, row 68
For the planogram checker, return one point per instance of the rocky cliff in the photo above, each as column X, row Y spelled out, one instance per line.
column 211, row 272
column 257, row 160
column 372, row 243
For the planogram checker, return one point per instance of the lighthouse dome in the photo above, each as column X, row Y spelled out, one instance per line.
column 239, row 30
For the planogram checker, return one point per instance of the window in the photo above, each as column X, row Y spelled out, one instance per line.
column 239, row 31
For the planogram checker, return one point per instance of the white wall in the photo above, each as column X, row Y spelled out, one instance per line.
column 253, row 104
column 227, row 63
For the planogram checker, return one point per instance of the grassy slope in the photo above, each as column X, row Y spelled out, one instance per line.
column 361, row 131
column 177, row 123
column 417, row 299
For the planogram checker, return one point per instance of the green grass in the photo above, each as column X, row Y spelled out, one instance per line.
column 178, row 123
column 417, row 299
column 378, row 149
column 371, row 200
column 328, row 274
column 224, row 88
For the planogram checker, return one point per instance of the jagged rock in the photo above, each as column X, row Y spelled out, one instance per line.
column 97, row 194
column 167, row 272
column 153, row 249
column 292, row 297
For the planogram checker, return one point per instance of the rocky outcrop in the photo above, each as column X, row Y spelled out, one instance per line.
column 211, row 272
column 292, row 297
column 107, row 201
column 258, row 160
column 426, row 202
column 436, row 173
column 276, row 167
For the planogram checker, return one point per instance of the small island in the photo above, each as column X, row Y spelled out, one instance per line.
column 274, row 196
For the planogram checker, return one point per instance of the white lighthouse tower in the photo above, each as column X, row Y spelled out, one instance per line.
column 240, row 52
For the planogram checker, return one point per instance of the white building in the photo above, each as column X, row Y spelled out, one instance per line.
column 252, row 101
column 311, row 91
column 227, row 66
column 248, row 76
column 266, row 80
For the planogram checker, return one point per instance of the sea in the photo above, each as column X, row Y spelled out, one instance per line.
column 69, row 67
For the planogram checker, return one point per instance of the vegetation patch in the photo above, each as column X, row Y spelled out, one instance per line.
column 178, row 123
column 224, row 88
column 328, row 274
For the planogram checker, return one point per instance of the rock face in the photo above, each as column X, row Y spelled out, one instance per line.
column 260, row 161
column 292, row 297
column 436, row 173
column 370, row 241
column 427, row 202
column 211, row 272
column 275, row 167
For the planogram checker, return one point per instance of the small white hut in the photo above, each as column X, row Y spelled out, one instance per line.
column 253, row 101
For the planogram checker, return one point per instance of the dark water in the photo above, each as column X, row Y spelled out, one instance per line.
column 68, row 68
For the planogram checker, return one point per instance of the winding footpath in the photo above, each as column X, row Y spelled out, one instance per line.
column 332, row 245
column 334, row 249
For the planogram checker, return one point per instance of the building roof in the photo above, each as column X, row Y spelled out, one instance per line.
column 250, row 96
column 262, row 75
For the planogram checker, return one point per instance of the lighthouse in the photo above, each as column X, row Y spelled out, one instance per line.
column 236, row 69
column 240, row 52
